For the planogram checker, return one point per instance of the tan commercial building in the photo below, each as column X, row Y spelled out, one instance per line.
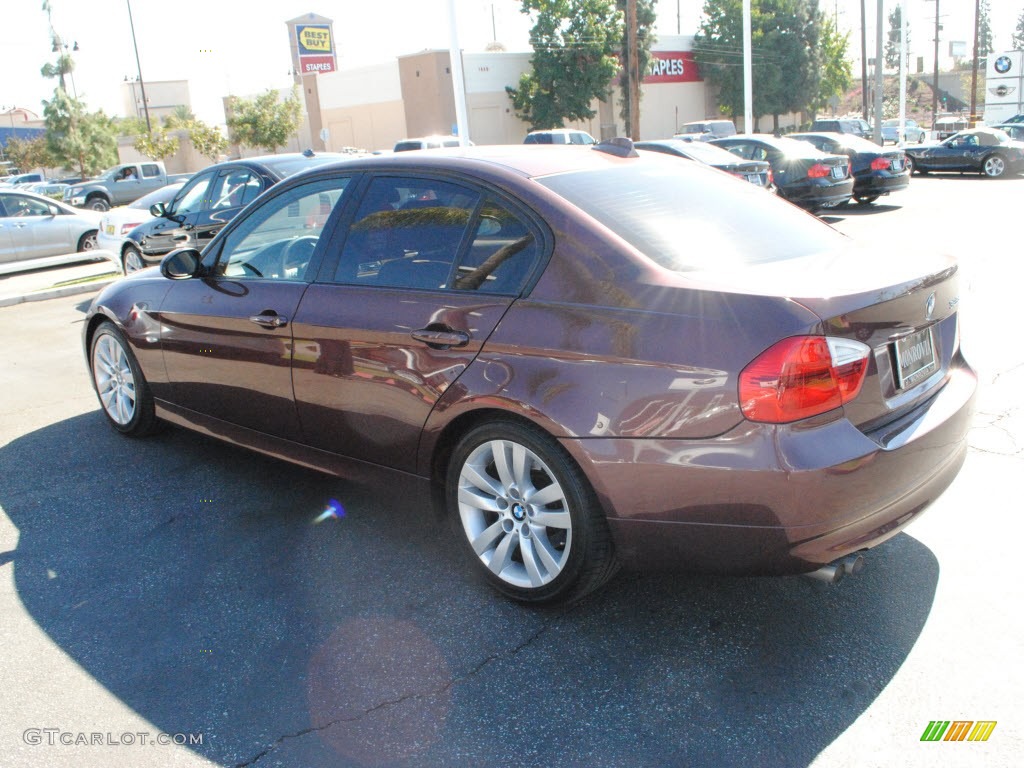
column 374, row 107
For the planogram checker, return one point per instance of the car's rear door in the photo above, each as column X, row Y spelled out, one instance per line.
column 425, row 271
column 227, row 337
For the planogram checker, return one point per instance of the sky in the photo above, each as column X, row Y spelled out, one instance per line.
column 242, row 48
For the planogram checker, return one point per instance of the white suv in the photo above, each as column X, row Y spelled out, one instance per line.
column 559, row 136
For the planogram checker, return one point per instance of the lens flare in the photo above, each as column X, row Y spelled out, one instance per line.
column 334, row 509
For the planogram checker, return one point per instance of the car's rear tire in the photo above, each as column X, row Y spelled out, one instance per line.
column 97, row 204
column 131, row 259
column 525, row 515
column 87, row 242
column 120, row 385
column 994, row 166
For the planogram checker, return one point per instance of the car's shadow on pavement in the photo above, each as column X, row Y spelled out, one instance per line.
column 191, row 580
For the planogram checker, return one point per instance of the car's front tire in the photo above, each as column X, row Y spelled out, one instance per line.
column 97, row 204
column 120, row 385
column 525, row 515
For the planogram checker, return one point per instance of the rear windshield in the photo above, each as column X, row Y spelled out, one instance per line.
column 687, row 217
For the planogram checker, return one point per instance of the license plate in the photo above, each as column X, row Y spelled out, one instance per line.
column 897, row 165
column 838, row 172
column 754, row 178
column 915, row 358
column 110, row 229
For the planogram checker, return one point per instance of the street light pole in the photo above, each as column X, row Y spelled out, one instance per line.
column 138, row 64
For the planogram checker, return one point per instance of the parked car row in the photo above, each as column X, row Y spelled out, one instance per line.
column 462, row 319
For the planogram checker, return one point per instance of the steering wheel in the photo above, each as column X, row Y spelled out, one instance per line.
column 298, row 252
column 251, row 268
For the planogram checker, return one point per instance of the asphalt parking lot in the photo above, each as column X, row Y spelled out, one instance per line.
column 179, row 586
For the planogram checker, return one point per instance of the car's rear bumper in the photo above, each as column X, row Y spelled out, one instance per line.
column 880, row 182
column 818, row 193
column 777, row 499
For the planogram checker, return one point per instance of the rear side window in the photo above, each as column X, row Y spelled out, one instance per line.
column 687, row 217
column 407, row 233
column 150, row 170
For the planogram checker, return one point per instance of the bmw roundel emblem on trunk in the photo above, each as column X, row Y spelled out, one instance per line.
column 929, row 306
column 1002, row 65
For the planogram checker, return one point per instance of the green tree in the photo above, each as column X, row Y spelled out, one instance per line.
column 181, row 117
column 574, row 43
column 207, row 140
column 157, row 145
column 76, row 138
column 264, row 121
column 785, row 52
column 892, row 44
column 836, row 69
column 646, row 17
column 63, row 66
column 1017, row 41
column 29, row 153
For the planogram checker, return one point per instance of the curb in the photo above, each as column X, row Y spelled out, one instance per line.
column 56, row 292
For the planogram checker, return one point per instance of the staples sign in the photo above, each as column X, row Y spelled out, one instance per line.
column 672, row 67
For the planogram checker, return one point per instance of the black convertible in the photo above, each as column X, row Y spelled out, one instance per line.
column 982, row 150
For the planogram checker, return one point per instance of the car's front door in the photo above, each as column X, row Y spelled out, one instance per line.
column 426, row 271
column 230, row 191
column 227, row 336
column 182, row 214
column 35, row 228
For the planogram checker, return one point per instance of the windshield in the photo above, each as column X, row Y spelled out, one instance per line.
column 162, row 195
column 687, row 217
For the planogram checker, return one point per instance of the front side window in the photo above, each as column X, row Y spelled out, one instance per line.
column 18, row 206
column 278, row 239
column 193, row 195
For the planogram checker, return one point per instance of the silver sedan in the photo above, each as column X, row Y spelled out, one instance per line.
column 36, row 231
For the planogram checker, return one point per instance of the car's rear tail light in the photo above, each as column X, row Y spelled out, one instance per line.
column 802, row 376
column 818, row 171
column 881, row 164
column 126, row 228
column 770, row 176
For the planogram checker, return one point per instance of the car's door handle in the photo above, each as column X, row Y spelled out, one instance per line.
column 438, row 338
column 269, row 319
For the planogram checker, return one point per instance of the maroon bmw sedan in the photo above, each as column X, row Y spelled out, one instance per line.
column 595, row 357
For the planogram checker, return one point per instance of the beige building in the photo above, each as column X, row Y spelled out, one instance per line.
column 162, row 98
column 374, row 107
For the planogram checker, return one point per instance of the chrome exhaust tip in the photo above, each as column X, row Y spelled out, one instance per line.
column 833, row 573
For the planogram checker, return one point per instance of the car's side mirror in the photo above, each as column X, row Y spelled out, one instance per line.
column 158, row 209
column 181, row 264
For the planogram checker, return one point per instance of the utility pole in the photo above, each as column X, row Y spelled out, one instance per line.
column 879, row 74
column 935, row 81
column 142, row 83
column 632, row 72
column 974, row 68
column 864, row 60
